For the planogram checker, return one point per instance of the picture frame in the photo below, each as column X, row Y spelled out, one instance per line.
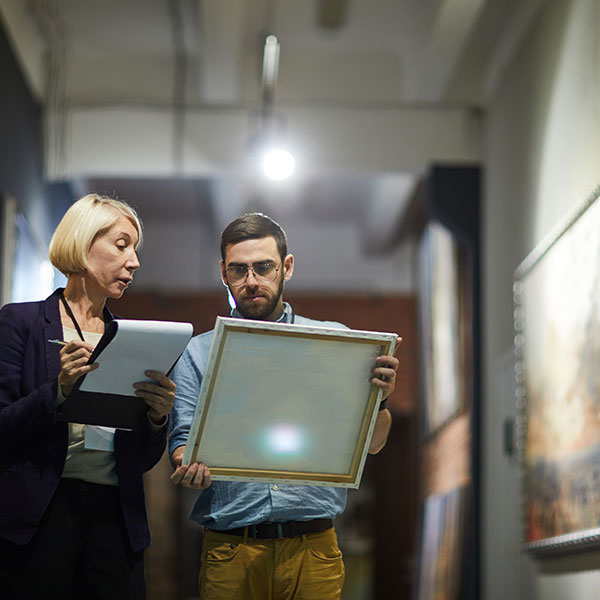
column 557, row 324
column 442, row 546
column 8, row 213
column 26, row 273
column 440, row 324
column 287, row 403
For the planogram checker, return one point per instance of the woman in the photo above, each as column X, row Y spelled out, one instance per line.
column 72, row 512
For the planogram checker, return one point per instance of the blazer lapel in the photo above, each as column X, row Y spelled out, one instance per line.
column 52, row 331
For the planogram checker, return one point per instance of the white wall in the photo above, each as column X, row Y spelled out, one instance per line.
column 542, row 157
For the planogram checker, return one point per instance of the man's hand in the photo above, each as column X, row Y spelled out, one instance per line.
column 384, row 377
column 195, row 476
column 384, row 373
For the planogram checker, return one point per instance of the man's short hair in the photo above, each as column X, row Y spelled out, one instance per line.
column 81, row 224
column 253, row 226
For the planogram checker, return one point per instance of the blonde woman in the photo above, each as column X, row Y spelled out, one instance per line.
column 73, row 522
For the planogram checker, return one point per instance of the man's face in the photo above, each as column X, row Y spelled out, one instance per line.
column 255, row 298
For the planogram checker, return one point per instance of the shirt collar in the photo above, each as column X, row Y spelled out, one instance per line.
column 286, row 317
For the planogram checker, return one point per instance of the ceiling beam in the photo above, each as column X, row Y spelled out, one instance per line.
column 513, row 33
column 436, row 52
column 222, row 35
column 28, row 45
column 138, row 141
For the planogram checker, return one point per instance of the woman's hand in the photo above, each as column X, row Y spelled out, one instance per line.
column 158, row 396
column 73, row 364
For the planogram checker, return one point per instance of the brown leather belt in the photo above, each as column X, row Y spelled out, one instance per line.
column 269, row 531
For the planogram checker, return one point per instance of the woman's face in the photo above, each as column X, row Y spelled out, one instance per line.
column 112, row 259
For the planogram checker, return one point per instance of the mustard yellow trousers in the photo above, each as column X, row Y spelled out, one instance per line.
column 307, row 567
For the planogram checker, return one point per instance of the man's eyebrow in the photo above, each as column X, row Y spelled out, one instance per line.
column 258, row 262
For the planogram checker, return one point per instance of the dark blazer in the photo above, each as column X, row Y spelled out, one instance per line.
column 33, row 444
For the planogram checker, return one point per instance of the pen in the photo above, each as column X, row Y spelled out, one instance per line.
column 59, row 342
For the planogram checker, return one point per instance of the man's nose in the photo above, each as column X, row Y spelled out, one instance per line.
column 251, row 277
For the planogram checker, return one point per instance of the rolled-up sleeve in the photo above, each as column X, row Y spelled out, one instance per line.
column 187, row 375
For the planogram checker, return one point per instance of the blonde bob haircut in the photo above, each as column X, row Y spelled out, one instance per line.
column 81, row 224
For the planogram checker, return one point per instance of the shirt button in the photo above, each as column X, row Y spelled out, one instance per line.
column 275, row 487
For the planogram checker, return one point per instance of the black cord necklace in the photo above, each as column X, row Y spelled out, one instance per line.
column 71, row 315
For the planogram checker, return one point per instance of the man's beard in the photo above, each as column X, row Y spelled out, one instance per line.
column 261, row 311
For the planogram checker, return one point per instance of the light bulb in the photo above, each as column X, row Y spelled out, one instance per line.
column 278, row 164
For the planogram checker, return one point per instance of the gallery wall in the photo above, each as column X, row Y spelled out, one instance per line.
column 542, row 151
column 20, row 124
column 39, row 205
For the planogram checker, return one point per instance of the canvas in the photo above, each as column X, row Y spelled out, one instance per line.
column 288, row 403
column 557, row 322
column 440, row 325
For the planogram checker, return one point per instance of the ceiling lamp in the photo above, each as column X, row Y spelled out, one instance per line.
column 266, row 141
column 278, row 164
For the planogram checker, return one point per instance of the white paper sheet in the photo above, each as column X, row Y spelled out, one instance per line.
column 137, row 347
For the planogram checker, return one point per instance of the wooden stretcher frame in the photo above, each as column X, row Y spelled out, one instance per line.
column 313, row 379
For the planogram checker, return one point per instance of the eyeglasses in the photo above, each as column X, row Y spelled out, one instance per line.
column 263, row 273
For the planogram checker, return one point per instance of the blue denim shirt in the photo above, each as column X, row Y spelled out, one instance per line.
column 227, row 504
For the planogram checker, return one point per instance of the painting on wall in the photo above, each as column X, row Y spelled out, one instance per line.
column 440, row 325
column 33, row 274
column 26, row 274
column 442, row 546
column 557, row 342
column 8, row 213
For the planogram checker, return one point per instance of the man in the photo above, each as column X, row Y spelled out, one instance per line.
column 262, row 540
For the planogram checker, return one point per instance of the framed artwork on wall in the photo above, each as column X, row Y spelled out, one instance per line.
column 440, row 325
column 444, row 218
column 442, row 546
column 8, row 213
column 26, row 274
column 33, row 275
column 556, row 293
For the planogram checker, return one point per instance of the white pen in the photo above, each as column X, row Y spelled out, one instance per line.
column 59, row 342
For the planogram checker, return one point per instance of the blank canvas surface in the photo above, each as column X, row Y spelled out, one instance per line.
column 278, row 407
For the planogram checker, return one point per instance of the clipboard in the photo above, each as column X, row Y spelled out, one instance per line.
column 127, row 349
